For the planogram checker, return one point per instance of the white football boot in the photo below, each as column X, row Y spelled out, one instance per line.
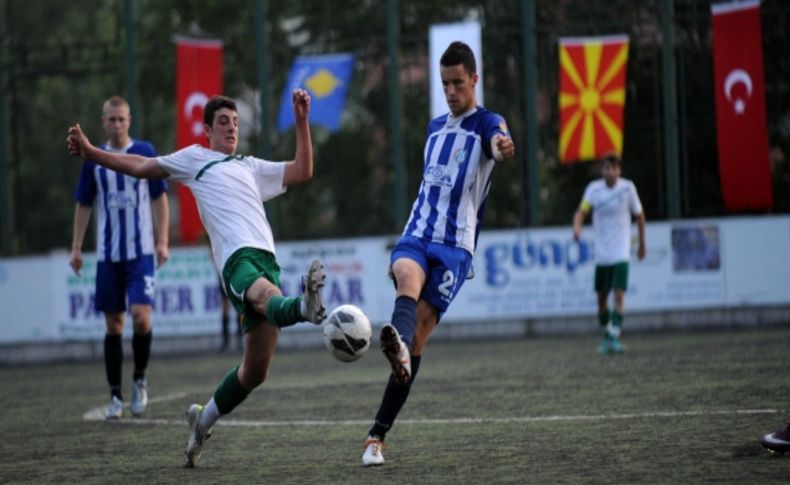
column 115, row 409
column 139, row 396
column 313, row 284
column 372, row 455
column 197, row 435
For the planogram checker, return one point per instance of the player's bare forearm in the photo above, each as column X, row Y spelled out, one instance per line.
column 162, row 219
column 134, row 165
column 300, row 170
column 640, row 225
column 578, row 220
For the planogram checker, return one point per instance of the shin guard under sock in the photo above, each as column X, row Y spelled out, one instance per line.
column 230, row 392
column 284, row 311
column 395, row 396
column 113, row 360
column 404, row 318
column 141, row 346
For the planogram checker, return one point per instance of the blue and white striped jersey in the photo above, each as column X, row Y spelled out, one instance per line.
column 456, row 178
column 124, row 226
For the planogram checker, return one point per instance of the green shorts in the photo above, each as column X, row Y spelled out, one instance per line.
column 241, row 270
column 611, row 276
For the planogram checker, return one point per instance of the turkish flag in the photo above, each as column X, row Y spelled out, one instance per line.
column 198, row 78
column 741, row 131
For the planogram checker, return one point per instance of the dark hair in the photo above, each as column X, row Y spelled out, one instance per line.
column 612, row 158
column 459, row 53
column 215, row 104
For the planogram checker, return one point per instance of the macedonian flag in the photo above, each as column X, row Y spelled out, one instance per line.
column 592, row 96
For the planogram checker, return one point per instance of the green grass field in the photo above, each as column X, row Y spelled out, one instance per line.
column 680, row 407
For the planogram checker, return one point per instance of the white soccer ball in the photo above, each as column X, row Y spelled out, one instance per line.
column 347, row 333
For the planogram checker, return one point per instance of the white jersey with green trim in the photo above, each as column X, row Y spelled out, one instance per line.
column 229, row 191
column 612, row 208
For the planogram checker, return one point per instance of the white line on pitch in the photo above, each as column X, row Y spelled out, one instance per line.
column 514, row 419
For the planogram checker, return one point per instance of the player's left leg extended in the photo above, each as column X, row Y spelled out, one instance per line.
column 447, row 271
column 260, row 342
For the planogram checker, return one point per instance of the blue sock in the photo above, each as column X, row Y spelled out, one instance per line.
column 404, row 318
column 394, row 398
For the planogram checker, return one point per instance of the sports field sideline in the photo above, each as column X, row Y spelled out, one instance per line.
column 677, row 407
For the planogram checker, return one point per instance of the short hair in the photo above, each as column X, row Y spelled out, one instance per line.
column 114, row 102
column 215, row 104
column 612, row 158
column 459, row 53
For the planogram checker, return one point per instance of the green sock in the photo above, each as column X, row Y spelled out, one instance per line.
column 283, row 311
column 617, row 319
column 603, row 318
column 230, row 393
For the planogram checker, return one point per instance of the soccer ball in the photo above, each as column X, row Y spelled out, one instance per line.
column 347, row 333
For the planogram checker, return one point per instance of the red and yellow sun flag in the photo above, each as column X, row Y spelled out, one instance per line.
column 592, row 96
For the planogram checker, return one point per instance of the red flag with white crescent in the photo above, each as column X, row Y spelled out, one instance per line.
column 741, row 127
column 198, row 78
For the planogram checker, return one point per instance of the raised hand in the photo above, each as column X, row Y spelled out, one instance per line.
column 76, row 141
column 301, row 102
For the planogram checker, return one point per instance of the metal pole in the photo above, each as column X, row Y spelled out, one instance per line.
column 396, row 132
column 130, row 53
column 670, row 98
column 262, row 62
column 262, row 58
column 6, row 207
column 530, row 70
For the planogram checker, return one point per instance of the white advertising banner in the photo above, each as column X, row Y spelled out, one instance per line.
column 519, row 274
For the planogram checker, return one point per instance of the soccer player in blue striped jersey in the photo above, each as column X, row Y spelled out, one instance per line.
column 125, row 246
column 434, row 255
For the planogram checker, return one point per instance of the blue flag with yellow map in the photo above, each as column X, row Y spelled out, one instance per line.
column 326, row 78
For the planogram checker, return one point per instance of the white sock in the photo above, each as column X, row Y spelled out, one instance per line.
column 210, row 415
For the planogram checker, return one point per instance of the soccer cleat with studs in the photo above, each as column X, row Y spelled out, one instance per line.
column 372, row 455
column 313, row 285
column 778, row 441
column 396, row 353
column 139, row 396
column 115, row 409
column 197, row 435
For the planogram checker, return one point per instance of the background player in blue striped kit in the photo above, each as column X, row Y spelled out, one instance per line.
column 125, row 247
column 434, row 255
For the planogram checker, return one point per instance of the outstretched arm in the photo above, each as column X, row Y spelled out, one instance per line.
column 134, row 165
column 300, row 169
column 502, row 147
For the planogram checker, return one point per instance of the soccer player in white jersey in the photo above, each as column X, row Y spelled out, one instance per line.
column 230, row 190
column 434, row 255
column 612, row 201
column 125, row 247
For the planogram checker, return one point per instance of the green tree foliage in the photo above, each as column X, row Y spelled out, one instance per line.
column 64, row 59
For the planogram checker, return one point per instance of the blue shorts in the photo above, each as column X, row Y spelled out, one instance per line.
column 445, row 268
column 116, row 281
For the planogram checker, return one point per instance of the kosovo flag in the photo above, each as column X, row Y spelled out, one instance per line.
column 326, row 78
column 592, row 96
